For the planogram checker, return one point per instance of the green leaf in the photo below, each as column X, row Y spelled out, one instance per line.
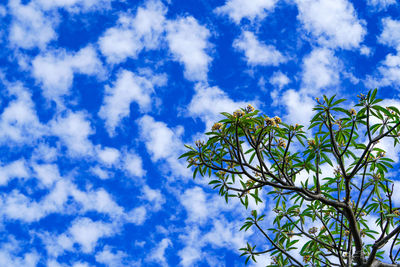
column 327, row 159
column 190, row 147
column 338, row 102
column 374, row 93
column 195, row 172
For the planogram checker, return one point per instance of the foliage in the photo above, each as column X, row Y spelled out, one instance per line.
column 346, row 215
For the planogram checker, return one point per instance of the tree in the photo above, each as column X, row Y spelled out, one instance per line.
column 346, row 217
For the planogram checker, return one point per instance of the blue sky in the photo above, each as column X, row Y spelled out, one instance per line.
column 99, row 96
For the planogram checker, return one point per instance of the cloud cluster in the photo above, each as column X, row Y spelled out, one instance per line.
column 133, row 34
column 239, row 9
column 257, row 53
column 332, row 23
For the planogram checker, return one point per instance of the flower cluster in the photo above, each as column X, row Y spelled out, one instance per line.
column 361, row 96
column 238, row 113
column 306, row 258
column 250, row 109
column 199, row 143
column 381, row 155
column 193, row 161
column 352, row 112
column 249, row 183
column 336, row 171
column 362, row 232
column 216, row 126
column 376, row 176
column 270, row 121
column 221, row 173
column 396, row 212
column 281, row 143
column 277, row 120
column 390, row 110
column 231, row 165
column 256, row 174
column 311, row 143
column 313, row 230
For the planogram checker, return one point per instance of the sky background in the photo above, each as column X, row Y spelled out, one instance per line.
column 99, row 96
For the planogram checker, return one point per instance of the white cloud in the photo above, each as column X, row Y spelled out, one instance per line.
column 44, row 152
column 163, row 144
column 279, row 79
column 189, row 255
column 119, row 43
column 201, row 208
column 108, row 155
column 133, row 164
column 99, row 172
column 391, row 33
column 133, row 34
column 100, row 201
column 113, row 159
column 30, row 27
column 299, row 107
column 86, row 233
column 15, row 169
column 83, row 231
column 75, row 5
column 396, row 197
column 209, row 102
column 188, row 42
column 239, row 9
column 149, row 23
column 128, row 88
column 365, row 50
column 19, row 122
column 381, row 4
column 55, row 246
column 47, row 174
column 196, row 205
column 223, row 234
column 109, row 258
column 10, row 255
column 138, row 215
column 17, row 206
column 55, row 70
column 161, row 141
column 387, row 74
column 320, row 71
column 257, row 53
column 333, row 22
column 153, row 196
column 74, row 129
column 157, row 254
